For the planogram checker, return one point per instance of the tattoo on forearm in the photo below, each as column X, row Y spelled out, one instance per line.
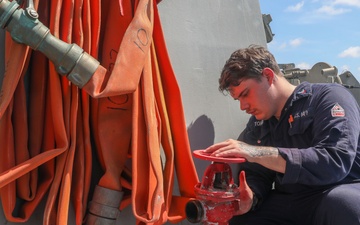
column 259, row 151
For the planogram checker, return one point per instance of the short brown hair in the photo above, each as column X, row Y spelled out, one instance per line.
column 244, row 64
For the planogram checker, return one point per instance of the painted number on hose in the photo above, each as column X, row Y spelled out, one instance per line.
column 142, row 39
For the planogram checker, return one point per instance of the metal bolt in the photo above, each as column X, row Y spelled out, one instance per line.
column 32, row 13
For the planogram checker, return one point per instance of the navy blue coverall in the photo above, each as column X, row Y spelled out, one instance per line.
column 318, row 135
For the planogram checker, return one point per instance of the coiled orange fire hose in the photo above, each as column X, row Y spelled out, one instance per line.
column 139, row 81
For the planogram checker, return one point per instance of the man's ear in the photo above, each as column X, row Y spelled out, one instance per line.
column 269, row 75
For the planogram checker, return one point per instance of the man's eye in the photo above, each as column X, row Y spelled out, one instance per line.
column 244, row 95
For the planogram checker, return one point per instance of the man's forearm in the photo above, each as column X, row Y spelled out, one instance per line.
column 268, row 157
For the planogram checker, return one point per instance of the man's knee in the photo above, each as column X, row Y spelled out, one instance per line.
column 340, row 205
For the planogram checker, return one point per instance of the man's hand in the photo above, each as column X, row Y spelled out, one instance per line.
column 266, row 156
column 232, row 148
column 246, row 195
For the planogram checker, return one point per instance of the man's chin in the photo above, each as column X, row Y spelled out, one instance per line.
column 260, row 117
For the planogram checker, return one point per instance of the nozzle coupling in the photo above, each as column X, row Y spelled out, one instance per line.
column 217, row 197
column 210, row 212
column 25, row 28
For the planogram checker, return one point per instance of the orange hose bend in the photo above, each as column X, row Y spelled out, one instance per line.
column 131, row 109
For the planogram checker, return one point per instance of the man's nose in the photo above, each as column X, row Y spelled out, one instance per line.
column 244, row 105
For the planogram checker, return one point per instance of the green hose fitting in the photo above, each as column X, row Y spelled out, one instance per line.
column 25, row 28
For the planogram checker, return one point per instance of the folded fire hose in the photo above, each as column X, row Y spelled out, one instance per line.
column 120, row 93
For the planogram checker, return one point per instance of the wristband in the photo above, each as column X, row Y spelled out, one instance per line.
column 255, row 202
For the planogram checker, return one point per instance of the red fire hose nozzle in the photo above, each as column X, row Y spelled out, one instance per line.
column 217, row 197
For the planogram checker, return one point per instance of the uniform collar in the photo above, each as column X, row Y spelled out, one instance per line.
column 303, row 90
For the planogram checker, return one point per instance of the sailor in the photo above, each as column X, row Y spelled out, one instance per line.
column 301, row 145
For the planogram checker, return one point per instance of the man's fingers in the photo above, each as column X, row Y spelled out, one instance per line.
column 215, row 147
column 242, row 181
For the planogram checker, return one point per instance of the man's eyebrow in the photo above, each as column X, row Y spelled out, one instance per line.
column 241, row 93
